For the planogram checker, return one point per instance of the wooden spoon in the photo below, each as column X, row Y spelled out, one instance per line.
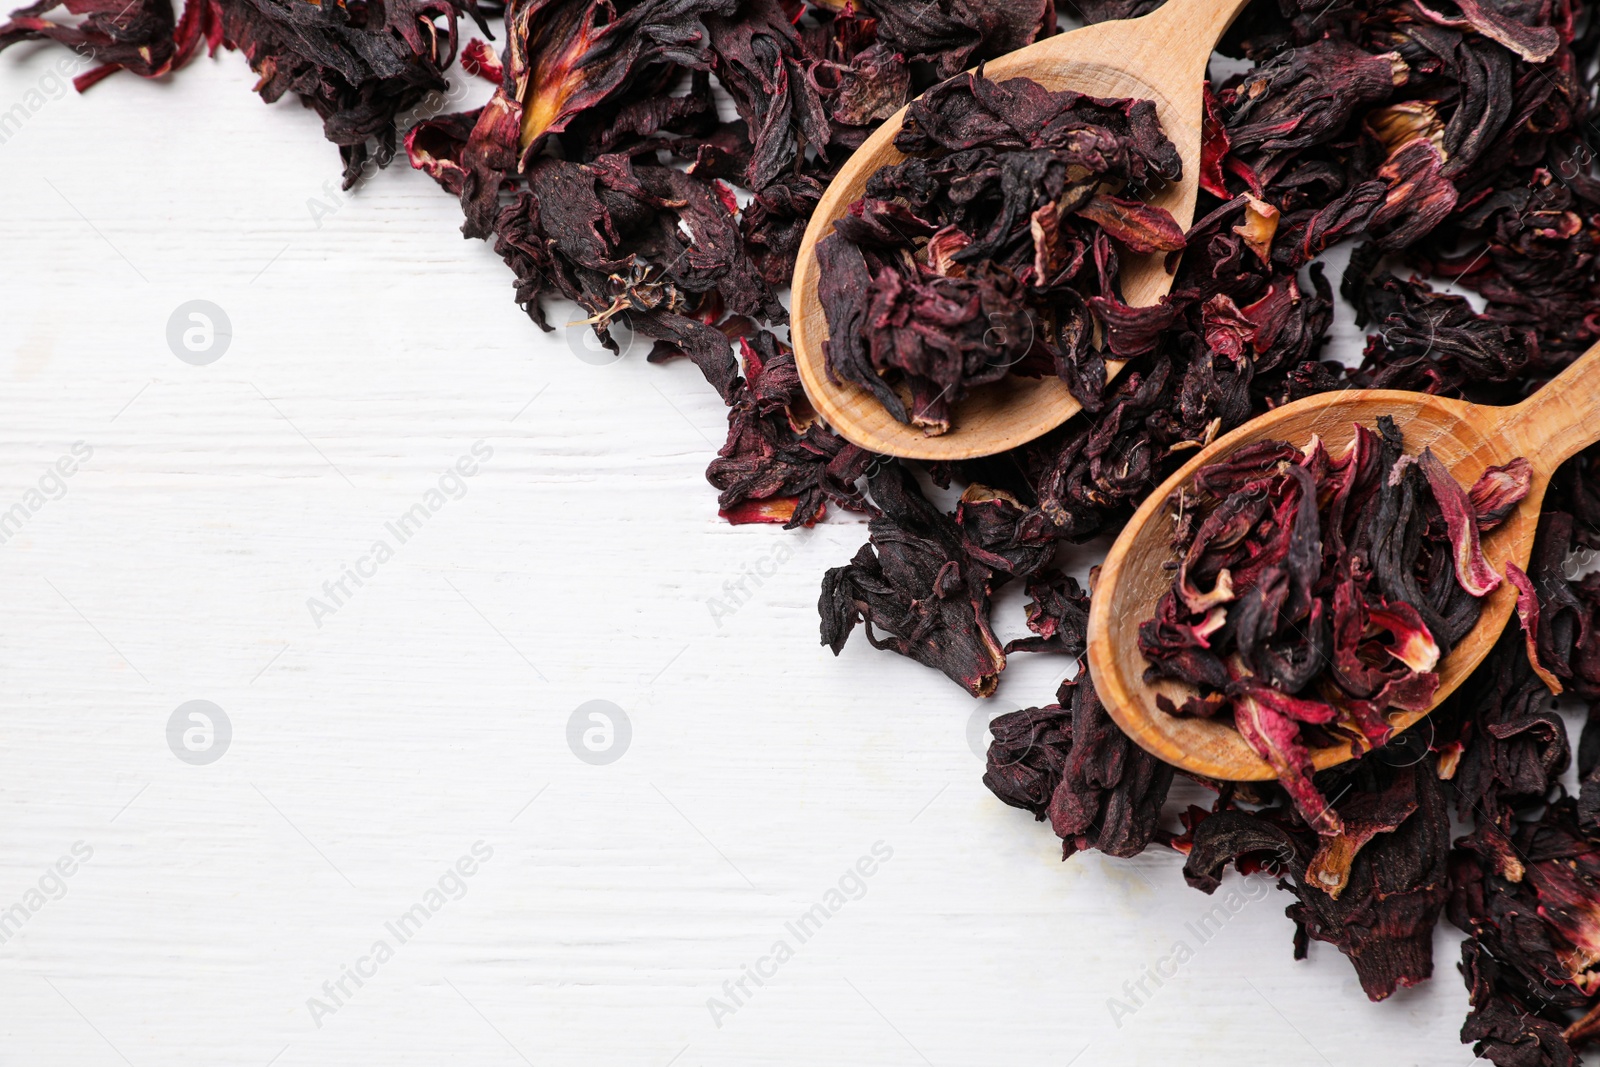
column 1160, row 57
column 1548, row 428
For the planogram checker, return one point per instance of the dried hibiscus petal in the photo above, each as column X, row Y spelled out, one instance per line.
column 1444, row 139
column 1374, row 892
column 1069, row 763
column 1472, row 570
column 1533, row 43
column 989, row 252
column 360, row 69
column 137, row 37
column 781, row 464
column 1296, row 600
column 1528, row 615
column 1058, row 614
column 1499, row 491
column 915, row 589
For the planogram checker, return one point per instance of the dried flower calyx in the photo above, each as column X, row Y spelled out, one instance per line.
column 1312, row 594
column 994, row 249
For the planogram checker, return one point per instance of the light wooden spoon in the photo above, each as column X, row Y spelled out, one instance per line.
column 1160, row 57
column 1548, row 428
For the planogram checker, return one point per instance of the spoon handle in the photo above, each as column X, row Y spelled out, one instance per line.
column 1191, row 28
column 1562, row 418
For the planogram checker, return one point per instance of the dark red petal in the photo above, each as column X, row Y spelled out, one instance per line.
column 1276, row 739
column 1528, row 613
column 1139, row 226
column 1533, row 43
column 1214, row 147
column 1472, row 569
column 1499, row 490
column 1413, row 644
column 479, row 60
column 778, row 509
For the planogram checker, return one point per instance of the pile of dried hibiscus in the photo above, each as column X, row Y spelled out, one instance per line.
column 983, row 254
column 1443, row 141
column 1313, row 593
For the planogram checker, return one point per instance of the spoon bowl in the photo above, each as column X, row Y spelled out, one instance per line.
column 1160, row 57
column 1546, row 429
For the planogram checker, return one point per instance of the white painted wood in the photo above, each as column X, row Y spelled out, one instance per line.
column 429, row 711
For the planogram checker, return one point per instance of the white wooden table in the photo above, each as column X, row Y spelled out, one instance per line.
column 425, row 713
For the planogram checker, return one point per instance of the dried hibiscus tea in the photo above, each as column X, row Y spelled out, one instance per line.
column 994, row 248
column 1449, row 146
column 1312, row 594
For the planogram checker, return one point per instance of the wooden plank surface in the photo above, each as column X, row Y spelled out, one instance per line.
column 374, row 744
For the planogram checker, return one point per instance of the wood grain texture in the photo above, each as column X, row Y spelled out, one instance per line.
column 1160, row 57
column 384, row 743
